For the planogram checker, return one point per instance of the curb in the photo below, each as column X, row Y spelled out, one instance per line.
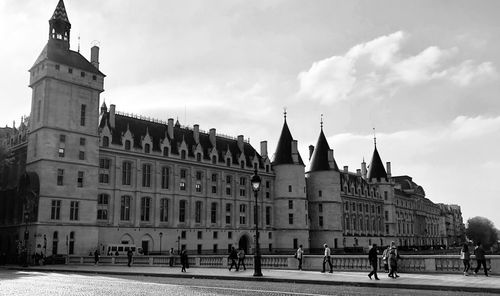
column 391, row 285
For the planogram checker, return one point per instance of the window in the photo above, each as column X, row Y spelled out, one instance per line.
column 126, row 172
column 216, row 235
column 163, row 210
column 94, row 77
column 80, row 179
column 198, row 187
column 290, row 204
column 60, row 177
column 183, row 154
column 71, row 250
column 289, row 188
column 183, row 173
column 38, row 110
column 197, row 212
column 147, row 148
column 214, row 177
column 200, row 234
column 320, row 193
column 73, row 210
column 182, row 211
column 213, row 213
column 55, row 241
column 62, row 138
column 268, row 194
column 82, row 114
column 242, row 192
column 229, row 234
column 146, row 175
column 214, row 189
column 385, row 195
column 55, row 210
column 125, row 208
column 81, row 155
column 165, row 151
column 57, row 67
column 165, row 175
column 214, row 159
column 70, row 70
column 105, row 141
column 102, row 203
column 268, row 184
column 320, row 208
column 198, row 175
column 268, row 215
column 61, row 152
column 290, row 219
column 228, row 190
column 145, row 208
column 182, row 186
column 183, row 234
column 82, row 74
column 242, row 180
column 228, row 213
column 198, row 157
column 127, row 145
column 104, row 164
column 386, row 215
column 228, row 179
column 215, row 248
column 242, row 214
column 242, row 164
column 228, row 162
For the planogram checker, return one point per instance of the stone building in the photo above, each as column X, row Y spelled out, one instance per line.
column 80, row 176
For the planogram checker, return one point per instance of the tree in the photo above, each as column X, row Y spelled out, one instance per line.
column 480, row 229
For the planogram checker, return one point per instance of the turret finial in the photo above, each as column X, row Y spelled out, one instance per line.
column 321, row 122
column 374, row 138
column 284, row 112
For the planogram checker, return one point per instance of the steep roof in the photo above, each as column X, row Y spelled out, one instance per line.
column 159, row 132
column 376, row 169
column 283, row 154
column 60, row 12
column 53, row 52
column 319, row 159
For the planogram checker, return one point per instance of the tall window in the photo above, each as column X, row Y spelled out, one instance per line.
column 145, row 208
column 126, row 172
column 60, row 177
column 320, row 221
column 146, row 175
column 165, row 175
column 73, row 210
column 228, row 213
column 182, row 211
column 82, row 114
column 147, row 148
column 197, row 212
column 243, row 214
column 164, row 210
column 127, row 145
column 80, row 179
column 55, row 242
column 290, row 219
column 55, row 210
column 71, row 250
column 165, row 151
column 183, row 154
column 268, row 215
column 213, row 213
column 125, row 208
column 290, row 204
column 104, row 164
column 102, row 206
column 105, row 141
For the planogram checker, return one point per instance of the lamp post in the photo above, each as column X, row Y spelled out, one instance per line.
column 161, row 234
column 26, row 237
column 255, row 187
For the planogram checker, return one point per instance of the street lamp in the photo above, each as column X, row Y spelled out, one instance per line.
column 26, row 237
column 161, row 234
column 255, row 187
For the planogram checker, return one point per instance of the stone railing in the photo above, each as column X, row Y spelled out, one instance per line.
column 407, row 263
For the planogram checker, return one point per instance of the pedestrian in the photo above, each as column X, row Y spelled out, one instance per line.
column 393, row 260
column 129, row 257
column 171, row 258
column 299, row 254
column 327, row 258
column 96, row 257
column 385, row 259
column 480, row 259
column 233, row 255
column 465, row 256
column 373, row 259
column 241, row 259
column 184, row 259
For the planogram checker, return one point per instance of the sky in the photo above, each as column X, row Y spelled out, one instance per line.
column 424, row 74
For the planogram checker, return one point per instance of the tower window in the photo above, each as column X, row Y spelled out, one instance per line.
column 127, row 144
column 57, row 67
column 82, row 74
column 81, row 155
column 82, row 141
column 70, row 70
column 82, row 114
column 62, row 138
column 94, row 77
column 80, row 179
column 60, row 177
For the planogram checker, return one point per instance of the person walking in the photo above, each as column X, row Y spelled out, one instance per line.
column 465, row 256
column 393, row 261
column 480, row 259
column 241, row 259
column 385, row 259
column 299, row 254
column 373, row 259
column 233, row 255
column 327, row 258
column 96, row 257
column 171, row 257
column 130, row 254
column 184, row 259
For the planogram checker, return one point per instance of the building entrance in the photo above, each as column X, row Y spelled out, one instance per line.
column 243, row 243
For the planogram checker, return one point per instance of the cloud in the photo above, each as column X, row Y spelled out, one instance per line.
column 380, row 67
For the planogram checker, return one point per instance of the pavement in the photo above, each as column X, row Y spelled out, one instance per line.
column 429, row 281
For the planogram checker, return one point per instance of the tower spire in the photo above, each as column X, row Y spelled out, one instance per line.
column 374, row 138
column 321, row 122
column 284, row 113
column 59, row 25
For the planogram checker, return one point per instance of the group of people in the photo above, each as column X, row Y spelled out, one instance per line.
column 480, row 258
column 237, row 255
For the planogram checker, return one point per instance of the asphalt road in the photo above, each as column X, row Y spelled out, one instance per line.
column 42, row 283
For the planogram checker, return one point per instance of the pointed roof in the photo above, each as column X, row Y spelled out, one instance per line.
column 319, row 158
column 376, row 169
column 60, row 13
column 283, row 154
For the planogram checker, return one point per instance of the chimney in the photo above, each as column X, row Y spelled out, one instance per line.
column 112, row 115
column 311, row 150
column 358, row 172
column 363, row 169
column 212, row 136
column 170, row 128
column 295, row 152
column 196, row 133
column 94, row 56
column 240, row 142
column 388, row 164
column 263, row 149
column 346, row 169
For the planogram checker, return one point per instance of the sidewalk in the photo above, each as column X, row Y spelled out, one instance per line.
column 448, row 282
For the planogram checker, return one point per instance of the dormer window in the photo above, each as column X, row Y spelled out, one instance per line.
column 127, row 144
column 105, row 141
column 165, row 151
column 198, row 157
column 228, row 161
column 214, row 159
column 242, row 164
column 82, row 74
column 147, row 148
column 183, row 154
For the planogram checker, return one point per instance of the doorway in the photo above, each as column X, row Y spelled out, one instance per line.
column 145, row 247
column 243, row 243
